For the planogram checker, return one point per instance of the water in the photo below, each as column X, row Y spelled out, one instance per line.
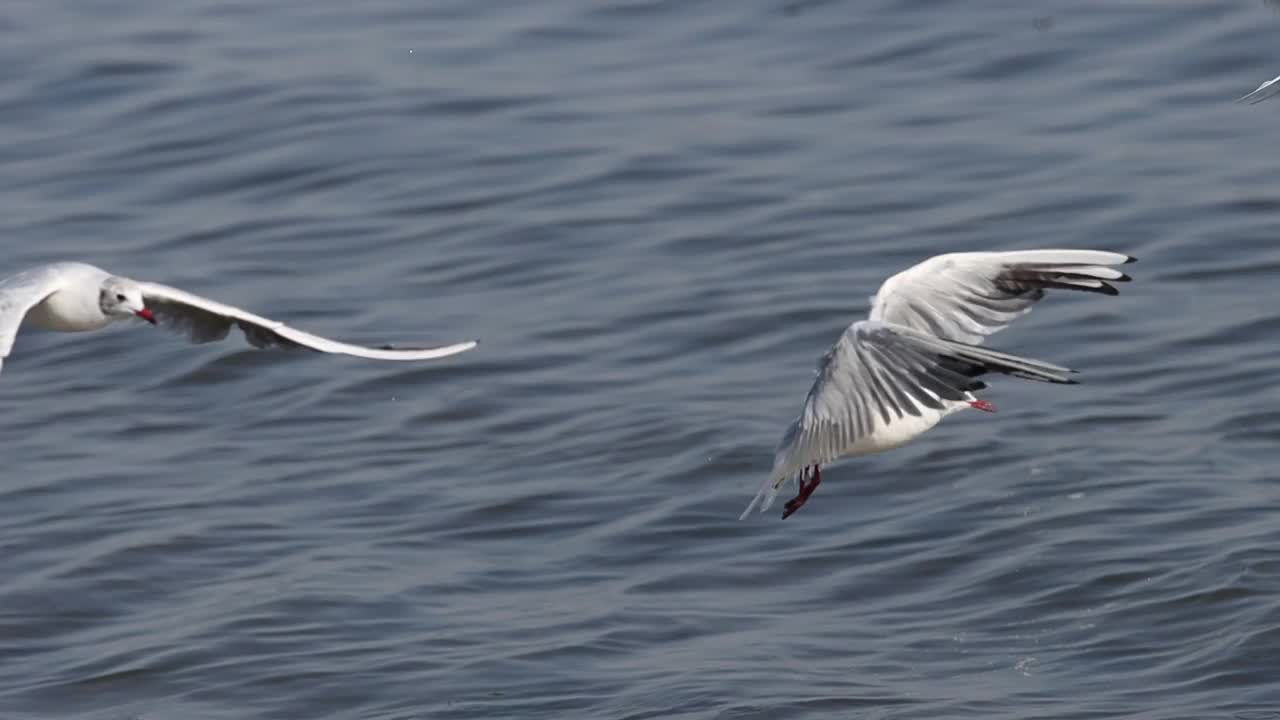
column 655, row 215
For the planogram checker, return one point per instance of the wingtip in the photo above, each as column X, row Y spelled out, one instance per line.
column 461, row 347
column 468, row 345
column 1129, row 259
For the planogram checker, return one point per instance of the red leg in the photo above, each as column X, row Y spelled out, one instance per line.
column 982, row 405
column 806, row 489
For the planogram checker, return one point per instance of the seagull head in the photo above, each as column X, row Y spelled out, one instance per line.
column 122, row 298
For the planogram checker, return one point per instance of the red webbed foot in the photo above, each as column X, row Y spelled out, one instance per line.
column 806, row 489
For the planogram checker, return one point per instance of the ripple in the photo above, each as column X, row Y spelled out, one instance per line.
column 656, row 216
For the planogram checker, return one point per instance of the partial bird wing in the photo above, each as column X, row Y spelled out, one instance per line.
column 205, row 320
column 1264, row 91
column 967, row 296
column 18, row 294
column 875, row 376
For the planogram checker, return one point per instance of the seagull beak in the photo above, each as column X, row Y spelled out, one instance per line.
column 145, row 314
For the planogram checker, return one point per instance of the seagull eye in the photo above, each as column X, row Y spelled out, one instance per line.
column 120, row 297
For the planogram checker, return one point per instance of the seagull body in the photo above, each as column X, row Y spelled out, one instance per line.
column 916, row 359
column 77, row 297
column 1264, row 91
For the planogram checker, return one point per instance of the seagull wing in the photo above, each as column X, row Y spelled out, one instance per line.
column 18, row 294
column 878, row 375
column 1264, row 91
column 204, row 320
column 967, row 296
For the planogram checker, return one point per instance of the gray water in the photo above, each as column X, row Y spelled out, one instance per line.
column 655, row 215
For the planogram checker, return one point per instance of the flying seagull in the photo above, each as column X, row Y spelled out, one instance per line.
column 916, row 359
column 74, row 297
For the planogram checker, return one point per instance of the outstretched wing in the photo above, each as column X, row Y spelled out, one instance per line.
column 967, row 296
column 204, row 320
column 18, row 294
column 878, row 375
column 1264, row 91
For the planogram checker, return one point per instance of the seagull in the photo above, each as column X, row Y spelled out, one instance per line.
column 74, row 297
column 916, row 359
column 1262, row 93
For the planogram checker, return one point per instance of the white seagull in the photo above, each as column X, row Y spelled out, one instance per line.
column 73, row 297
column 915, row 360
column 1264, row 91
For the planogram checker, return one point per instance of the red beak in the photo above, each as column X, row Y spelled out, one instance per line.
column 145, row 314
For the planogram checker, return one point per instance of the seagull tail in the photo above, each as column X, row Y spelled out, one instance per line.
column 764, row 497
column 785, row 465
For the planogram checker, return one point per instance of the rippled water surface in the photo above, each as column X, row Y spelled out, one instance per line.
column 655, row 215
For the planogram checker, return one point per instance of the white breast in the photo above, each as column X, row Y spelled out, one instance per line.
column 902, row 430
column 68, row 311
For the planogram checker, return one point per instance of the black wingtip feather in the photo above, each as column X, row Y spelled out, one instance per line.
column 1129, row 259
